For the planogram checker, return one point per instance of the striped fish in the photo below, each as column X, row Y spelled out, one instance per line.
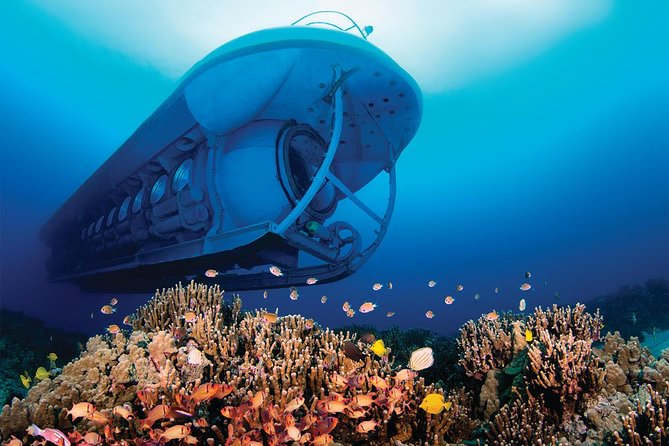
column 421, row 359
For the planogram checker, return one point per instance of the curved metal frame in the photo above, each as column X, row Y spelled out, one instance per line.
column 328, row 11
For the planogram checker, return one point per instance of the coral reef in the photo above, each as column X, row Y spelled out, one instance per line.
column 24, row 350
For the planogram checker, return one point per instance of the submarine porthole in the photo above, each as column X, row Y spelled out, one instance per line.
column 181, row 177
column 137, row 202
column 123, row 210
column 98, row 225
column 158, row 189
column 110, row 217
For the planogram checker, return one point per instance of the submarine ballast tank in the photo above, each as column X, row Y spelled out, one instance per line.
column 243, row 167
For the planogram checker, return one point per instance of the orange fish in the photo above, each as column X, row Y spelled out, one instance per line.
column 525, row 287
column 189, row 439
column 492, row 316
column 270, row 318
column 363, row 400
column 204, row 392
column 366, row 426
column 257, row 400
column 377, row 286
column 223, row 390
column 127, row 320
column 107, row 309
column 113, row 329
column 229, row 412
column 80, row 410
column 211, row 273
column 309, row 324
column 123, row 412
column 367, row 307
column 322, row 440
column 449, row 300
column 113, row 301
column 190, row 317
column 350, row 312
column 294, row 294
column 92, row 438
column 275, row 271
column 326, row 426
column 175, row 433
column 157, row 413
column 378, row 382
column 97, row 417
column 291, row 430
column 346, row 306
column 294, row 404
column 405, row 375
column 355, row 413
column 429, row 314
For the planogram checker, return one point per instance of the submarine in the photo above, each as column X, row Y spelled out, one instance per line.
column 244, row 167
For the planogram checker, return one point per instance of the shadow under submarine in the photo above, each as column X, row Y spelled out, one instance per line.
column 243, row 167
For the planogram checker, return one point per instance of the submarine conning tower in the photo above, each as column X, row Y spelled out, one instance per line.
column 245, row 166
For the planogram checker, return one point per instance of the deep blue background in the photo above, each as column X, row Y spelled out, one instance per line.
column 559, row 166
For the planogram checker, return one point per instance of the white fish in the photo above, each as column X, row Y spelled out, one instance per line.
column 276, row 271
column 377, row 286
column 265, row 294
column 311, row 280
column 421, row 359
column 496, row 290
column 390, row 285
column 324, row 299
column 521, row 305
column 459, row 287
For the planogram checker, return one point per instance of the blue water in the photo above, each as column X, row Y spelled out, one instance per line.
column 557, row 164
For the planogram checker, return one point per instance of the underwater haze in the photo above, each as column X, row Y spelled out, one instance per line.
column 543, row 147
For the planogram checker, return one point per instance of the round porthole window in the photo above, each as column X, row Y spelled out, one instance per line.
column 123, row 210
column 137, row 203
column 181, row 177
column 158, row 189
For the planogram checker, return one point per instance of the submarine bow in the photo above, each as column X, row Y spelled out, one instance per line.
column 245, row 166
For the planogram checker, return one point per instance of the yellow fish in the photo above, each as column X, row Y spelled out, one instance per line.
column 528, row 336
column 379, row 348
column 434, row 403
column 41, row 374
column 52, row 356
column 25, row 380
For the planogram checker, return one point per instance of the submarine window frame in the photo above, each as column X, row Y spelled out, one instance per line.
column 123, row 209
column 158, row 189
column 110, row 216
column 182, row 176
column 98, row 224
column 138, row 201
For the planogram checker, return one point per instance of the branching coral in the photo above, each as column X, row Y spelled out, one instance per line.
column 648, row 425
column 524, row 422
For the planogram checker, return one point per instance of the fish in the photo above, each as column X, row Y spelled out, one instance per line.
column 91, row 315
column 174, row 433
column 42, row 374
column 496, row 290
column 378, row 382
column 107, row 309
column 633, row 318
column 51, row 435
column 127, row 320
column 367, row 307
column 429, row 314
column 211, row 273
column 275, row 271
column 528, row 335
column 98, row 417
column 352, row 351
column 13, row 441
column 333, row 406
column 80, row 410
column 294, row 294
column 25, row 380
column 309, row 324
column 377, row 286
column 93, row 438
column 432, row 283
column 113, row 329
column 324, row 299
column 322, row 440
column 229, row 412
column 459, row 287
column 390, row 285
column 521, row 305
column 113, row 301
column 124, row 412
column 256, row 400
column 312, row 281
column 346, row 306
column 434, row 404
column 526, row 286
column 52, row 356
column 294, row 404
column 270, row 318
column 528, row 275
column 157, row 413
column 367, row 426
column 492, row 316
column 405, row 375
column 265, row 294
column 367, row 337
column 448, row 300
column 390, row 314
column 350, row 312
column 355, row 413
column 379, row 348
column 477, row 296
column 190, row 317
column 195, row 357
column 421, row 359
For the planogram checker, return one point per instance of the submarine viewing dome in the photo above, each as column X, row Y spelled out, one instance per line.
column 246, row 165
